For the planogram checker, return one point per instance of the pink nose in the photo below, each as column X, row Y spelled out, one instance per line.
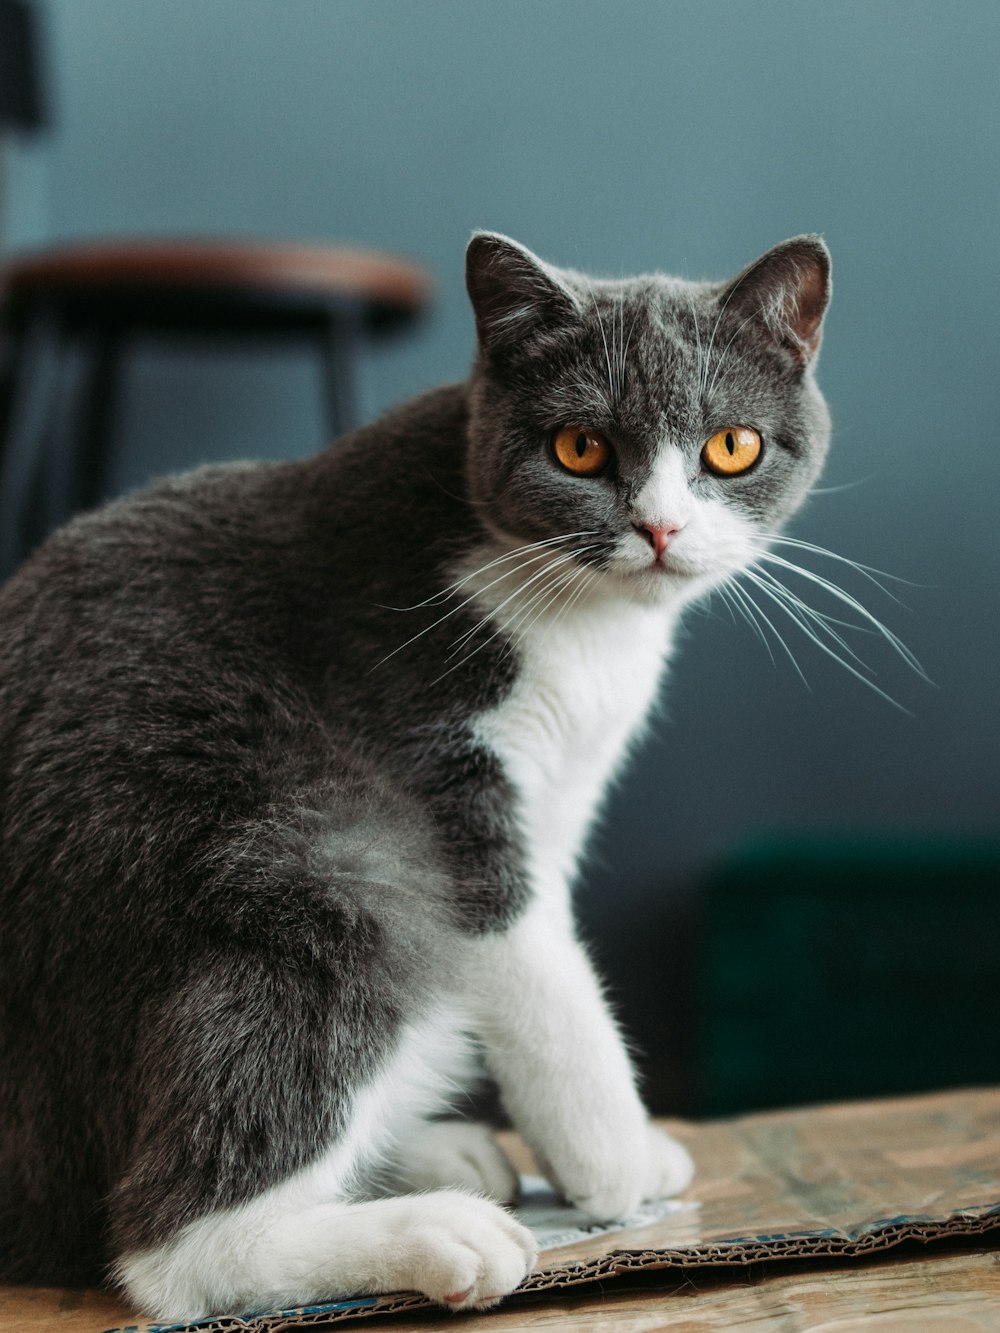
column 658, row 537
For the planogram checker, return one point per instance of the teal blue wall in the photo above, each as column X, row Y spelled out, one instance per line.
column 621, row 137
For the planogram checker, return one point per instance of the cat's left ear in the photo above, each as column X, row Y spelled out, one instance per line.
column 788, row 288
column 513, row 292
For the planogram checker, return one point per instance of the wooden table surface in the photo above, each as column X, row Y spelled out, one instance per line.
column 763, row 1175
column 957, row 1291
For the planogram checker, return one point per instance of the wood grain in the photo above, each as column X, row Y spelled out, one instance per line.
column 56, row 1310
column 337, row 270
column 758, row 1177
column 923, row 1293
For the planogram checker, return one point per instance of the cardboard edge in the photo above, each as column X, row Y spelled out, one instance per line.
column 742, row 1252
column 737, row 1252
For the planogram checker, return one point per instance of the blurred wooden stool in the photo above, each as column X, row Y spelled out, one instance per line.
column 98, row 297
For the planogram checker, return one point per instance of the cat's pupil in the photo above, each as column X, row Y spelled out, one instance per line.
column 581, row 445
column 730, row 442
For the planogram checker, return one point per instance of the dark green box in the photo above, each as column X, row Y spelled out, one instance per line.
column 841, row 967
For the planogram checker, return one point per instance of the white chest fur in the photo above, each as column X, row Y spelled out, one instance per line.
column 588, row 676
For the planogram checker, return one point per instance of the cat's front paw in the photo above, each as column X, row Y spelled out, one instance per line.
column 672, row 1169
column 464, row 1252
column 460, row 1154
column 614, row 1184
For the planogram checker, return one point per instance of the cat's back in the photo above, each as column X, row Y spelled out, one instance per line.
column 165, row 669
column 225, row 563
column 132, row 562
column 171, row 653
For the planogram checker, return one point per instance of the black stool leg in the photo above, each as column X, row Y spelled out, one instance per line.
column 339, row 348
column 35, row 372
column 99, row 397
column 49, row 508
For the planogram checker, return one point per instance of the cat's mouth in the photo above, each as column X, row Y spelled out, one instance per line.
column 687, row 557
column 670, row 574
column 656, row 580
column 667, row 564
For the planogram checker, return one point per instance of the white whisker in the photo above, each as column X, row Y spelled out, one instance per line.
column 607, row 355
column 847, row 600
column 801, row 612
column 702, row 389
column 584, row 577
column 521, row 587
column 722, row 358
column 771, row 626
column 700, row 361
column 590, row 390
column 735, row 596
column 845, row 486
column 620, row 359
column 541, row 602
column 538, row 555
column 628, row 344
column 866, row 571
column 825, row 647
column 446, row 592
column 614, row 347
column 500, row 629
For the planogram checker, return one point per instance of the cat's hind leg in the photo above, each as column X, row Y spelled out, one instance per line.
column 457, row 1153
column 273, row 1083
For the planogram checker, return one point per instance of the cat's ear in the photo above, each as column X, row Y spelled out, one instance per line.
column 788, row 289
column 513, row 292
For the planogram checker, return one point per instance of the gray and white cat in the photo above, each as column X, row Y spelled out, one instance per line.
column 297, row 762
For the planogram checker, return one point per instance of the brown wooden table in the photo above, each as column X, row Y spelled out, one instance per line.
column 954, row 1292
column 756, row 1174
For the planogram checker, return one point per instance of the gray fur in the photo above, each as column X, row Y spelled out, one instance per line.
column 238, row 829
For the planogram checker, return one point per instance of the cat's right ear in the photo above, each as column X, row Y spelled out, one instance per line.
column 513, row 292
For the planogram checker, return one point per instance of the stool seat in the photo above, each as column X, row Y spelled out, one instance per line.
column 93, row 299
column 386, row 290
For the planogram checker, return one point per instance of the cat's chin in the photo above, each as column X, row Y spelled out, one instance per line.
column 655, row 585
column 667, row 586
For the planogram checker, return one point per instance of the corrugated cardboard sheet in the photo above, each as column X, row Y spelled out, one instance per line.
column 845, row 1181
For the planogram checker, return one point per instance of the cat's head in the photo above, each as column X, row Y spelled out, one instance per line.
column 673, row 425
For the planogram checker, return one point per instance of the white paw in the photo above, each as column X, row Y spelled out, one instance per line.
column 672, row 1169
column 608, row 1199
column 462, row 1251
column 612, row 1178
column 456, row 1153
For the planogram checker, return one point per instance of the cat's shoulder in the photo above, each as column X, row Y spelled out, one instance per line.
column 231, row 513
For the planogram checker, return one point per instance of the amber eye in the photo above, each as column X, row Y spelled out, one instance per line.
column 581, row 450
column 730, row 452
